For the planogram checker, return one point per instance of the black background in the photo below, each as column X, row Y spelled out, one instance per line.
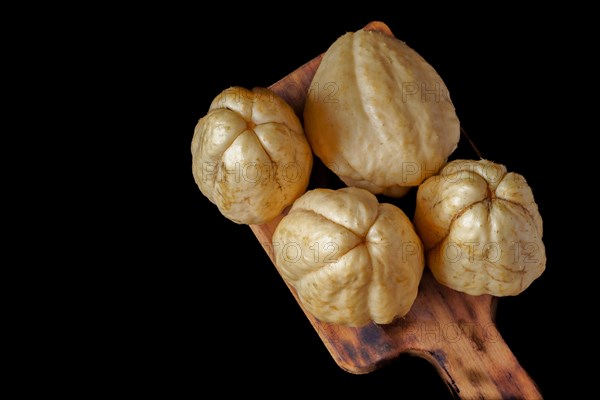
column 201, row 307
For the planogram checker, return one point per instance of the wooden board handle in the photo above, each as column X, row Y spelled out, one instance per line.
column 480, row 368
column 472, row 357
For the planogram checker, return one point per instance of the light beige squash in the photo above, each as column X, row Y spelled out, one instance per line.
column 378, row 115
column 481, row 228
column 250, row 156
column 351, row 259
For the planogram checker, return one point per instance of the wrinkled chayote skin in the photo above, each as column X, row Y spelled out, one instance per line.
column 481, row 228
column 378, row 115
column 250, row 156
column 351, row 259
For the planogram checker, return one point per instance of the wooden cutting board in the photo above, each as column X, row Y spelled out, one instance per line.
column 454, row 331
